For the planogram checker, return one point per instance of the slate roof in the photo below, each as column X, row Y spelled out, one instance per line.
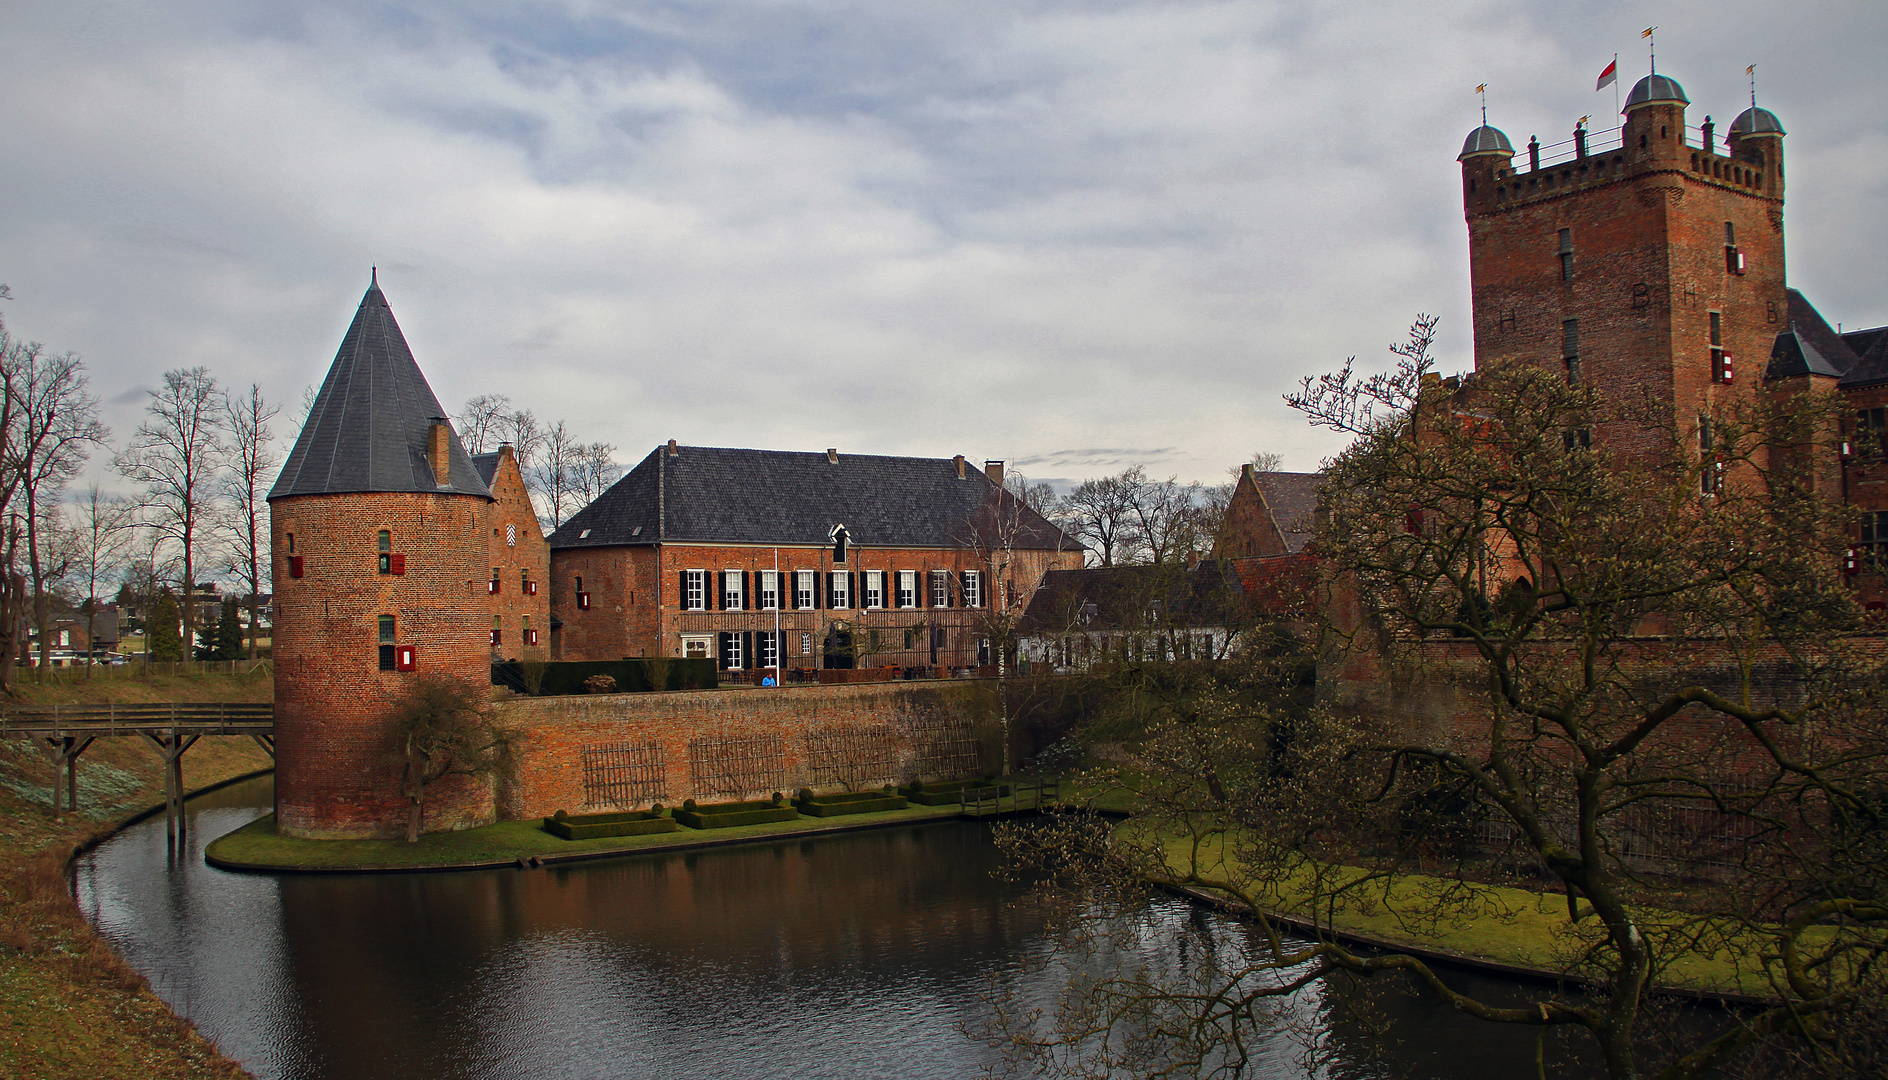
column 367, row 429
column 487, row 465
column 707, row 494
column 1871, row 349
column 1293, row 500
column 1809, row 346
column 1134, row 597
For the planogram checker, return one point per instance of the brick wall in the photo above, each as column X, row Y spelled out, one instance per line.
column 718, row 745
column 516, row 553
column 336, row 774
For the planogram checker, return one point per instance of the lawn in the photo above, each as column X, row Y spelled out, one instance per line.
column 257, row 846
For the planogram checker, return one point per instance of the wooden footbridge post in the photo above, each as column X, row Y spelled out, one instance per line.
column 65, row 731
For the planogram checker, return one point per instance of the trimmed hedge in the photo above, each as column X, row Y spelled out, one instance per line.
column 949, row 794
column 590, row 826
column 728, row 815
column 632, row 676
column 863, row 802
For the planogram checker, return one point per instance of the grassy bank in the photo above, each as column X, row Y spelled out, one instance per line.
column 257, row 846
column 69, row 1006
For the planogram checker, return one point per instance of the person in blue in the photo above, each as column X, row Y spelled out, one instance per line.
column 768, row 681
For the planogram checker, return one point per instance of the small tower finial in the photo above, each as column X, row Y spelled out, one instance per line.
column 373, row 277
column 1752, row 72
column 1482, row 89
column 1652, row 47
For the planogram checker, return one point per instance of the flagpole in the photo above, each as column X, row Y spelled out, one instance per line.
column 1617, row 123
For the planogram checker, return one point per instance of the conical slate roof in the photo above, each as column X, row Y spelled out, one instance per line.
column 368, row 427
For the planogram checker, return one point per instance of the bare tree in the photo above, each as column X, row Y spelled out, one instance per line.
column 1167, row 520
column 1038, row 497
column 551, row 477
column 58, row 425
column 177, row 454
column 441, row 727
column 480, row 422
column 1101, row 514
column 252, row 460
column 13, row 594
column 95, row 539
column 596, row 470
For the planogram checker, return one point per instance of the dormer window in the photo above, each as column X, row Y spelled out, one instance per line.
column 840, row 539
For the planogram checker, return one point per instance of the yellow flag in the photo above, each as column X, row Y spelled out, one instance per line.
column 1647, row 32
column 1481, row 88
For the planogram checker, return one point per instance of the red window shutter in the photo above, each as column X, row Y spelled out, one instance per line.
column 1413, row 521
column 396, row 563
column 530, row 637
column 492, row 587
column 495, row 640
column 530, row 588
column 1851, row 564
column 294, row 566
column 404, row 659
column 583, row 601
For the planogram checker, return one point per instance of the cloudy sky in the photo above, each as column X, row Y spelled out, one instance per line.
column 1074, row 235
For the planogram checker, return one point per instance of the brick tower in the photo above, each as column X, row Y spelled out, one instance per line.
column 378, row 527
column 1647, row 261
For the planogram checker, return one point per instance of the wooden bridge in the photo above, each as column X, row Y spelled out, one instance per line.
column 65, row 731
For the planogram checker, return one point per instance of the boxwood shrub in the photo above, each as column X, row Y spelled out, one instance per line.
column 728, row 815
column 863, row 802
column 590, row 826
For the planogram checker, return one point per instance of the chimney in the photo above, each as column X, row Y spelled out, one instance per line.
column 672, row 451
column 439, row 451
column 994, row 470
column 1245, row 473
column 1193, row 559
column 959, row 462
column 832, row 455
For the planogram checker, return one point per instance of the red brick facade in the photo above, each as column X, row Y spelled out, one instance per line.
column 337, row 775
column 519, row 562
column 638, row 606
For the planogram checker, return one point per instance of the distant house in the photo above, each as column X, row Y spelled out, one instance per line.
column 519, row 595
column 1126, row 613
column 769, row 559
column 1270, row 513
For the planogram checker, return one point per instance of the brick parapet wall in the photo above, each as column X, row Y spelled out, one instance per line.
column 877, row 733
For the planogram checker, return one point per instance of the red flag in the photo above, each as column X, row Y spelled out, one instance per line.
column 1610, row 75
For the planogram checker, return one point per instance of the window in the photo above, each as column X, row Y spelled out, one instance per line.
column 731, row 583
column 840, row 591
column 1720, row 359
column 694, row 590
column 875, row 588
column 1566, row 254
column 498, row 632
column 1733, row 259
column 383, row 543
column 803, row 589
column 940, row 588
column 291, row 542
column 733, row 655
column 1579, row 438
column 1570, row 349
column 386, row 629
column 907, row 589
column 841, row 539
column 1875, row 539
column 492, row 586
column 973, row 588
column 767, row 645
column 769, row 599
column 695, row 648
column 524, row 629
column 1871, row 431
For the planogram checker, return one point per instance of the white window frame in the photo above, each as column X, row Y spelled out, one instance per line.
column 769, row 589
column 768, row 648
column 973, row 588
column 731, row 596
column 697, row 647
column 940, row 588
column 696, row 596
column 733, row 658
column 875, row 588
column 839, row 589
column 907, row 588
column 805, row 582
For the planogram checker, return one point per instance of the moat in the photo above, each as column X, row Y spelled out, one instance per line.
column 858, row 955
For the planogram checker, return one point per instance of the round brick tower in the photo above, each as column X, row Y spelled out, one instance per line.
column 377, row 525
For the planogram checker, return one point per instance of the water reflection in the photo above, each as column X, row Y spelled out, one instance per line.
column 859, row 955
